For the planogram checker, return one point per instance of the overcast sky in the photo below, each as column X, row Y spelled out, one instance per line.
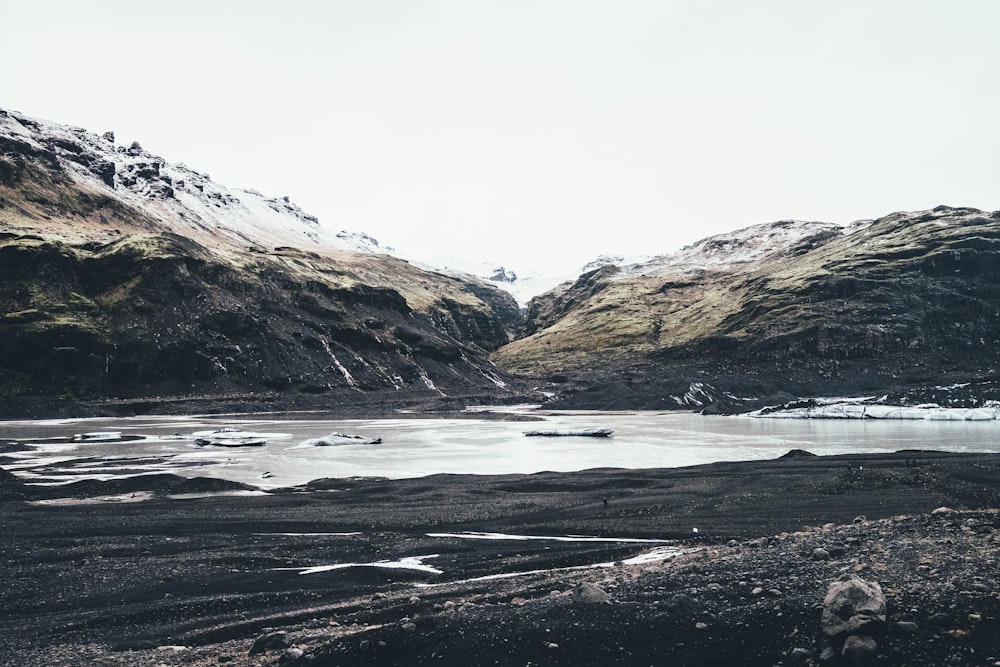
column 536, row 132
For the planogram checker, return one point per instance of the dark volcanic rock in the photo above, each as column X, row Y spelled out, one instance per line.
column 164, row 316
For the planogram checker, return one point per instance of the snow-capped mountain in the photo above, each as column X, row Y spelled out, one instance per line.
column 172, row 195
column 127, row 278
column 522, row 283
column 740, row 248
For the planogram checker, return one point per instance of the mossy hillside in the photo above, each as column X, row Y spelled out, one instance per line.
column 163, row 314
column 39, row 196
column 911, row 298
column 900, row 284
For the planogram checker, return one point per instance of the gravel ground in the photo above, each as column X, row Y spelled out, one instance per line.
column 202, row 582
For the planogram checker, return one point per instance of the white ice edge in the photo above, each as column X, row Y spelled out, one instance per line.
column 223, row 434
column 139, row 496
column 858, row 409
column 408, row 563
column 656, row 555
column 472, row 535
column 354, row 534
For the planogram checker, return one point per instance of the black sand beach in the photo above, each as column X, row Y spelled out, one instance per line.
column 119, row 574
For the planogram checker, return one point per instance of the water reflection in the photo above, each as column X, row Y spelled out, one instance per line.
column 418, row 447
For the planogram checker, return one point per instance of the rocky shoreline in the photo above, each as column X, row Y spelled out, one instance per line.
column 723, row 564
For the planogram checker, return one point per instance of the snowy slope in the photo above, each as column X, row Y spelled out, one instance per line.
column 520, row 282
column 742, row 248
column 176, row 197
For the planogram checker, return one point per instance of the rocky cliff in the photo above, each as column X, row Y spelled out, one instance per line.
column 130, row 284
column 907, row 305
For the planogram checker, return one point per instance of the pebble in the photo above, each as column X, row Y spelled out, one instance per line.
column 828, row 655
column 859, row 647
column 293, row 653
column 269, row 641
column 800, row 654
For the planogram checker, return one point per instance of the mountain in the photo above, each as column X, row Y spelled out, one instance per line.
column 521, row 283
column 128, row 284
column 907, row 305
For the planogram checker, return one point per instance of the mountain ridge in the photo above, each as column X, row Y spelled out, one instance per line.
column 884, row 306
column 127, row 283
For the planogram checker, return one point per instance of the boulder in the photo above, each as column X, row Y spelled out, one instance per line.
column 588, row 592
column 852, row 604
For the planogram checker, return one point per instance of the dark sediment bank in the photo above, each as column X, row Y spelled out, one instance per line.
column 197, row 581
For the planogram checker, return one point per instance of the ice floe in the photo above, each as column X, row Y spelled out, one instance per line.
column 336, row 439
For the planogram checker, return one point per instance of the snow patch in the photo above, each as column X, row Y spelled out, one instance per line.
column 409, row 563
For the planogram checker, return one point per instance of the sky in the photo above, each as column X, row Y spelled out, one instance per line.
column 536, row 133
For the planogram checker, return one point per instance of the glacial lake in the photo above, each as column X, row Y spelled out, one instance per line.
column 415, row 447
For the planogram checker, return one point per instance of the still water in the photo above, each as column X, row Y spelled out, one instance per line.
column 416, row 447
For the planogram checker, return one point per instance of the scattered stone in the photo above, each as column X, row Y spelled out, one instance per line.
column 851, row 604
column 270, row 641
column 294, row 653
column 942, row 510
column 859, row 648
column 828, row 655
column 409, row 627
column 757, row 591
column 588, row 592
column 819, row 553
column 800, row 654
column 906, row 627
column 684, row 604
column 861, row 518
column 414, row 599
column 701, row 626
column 552, row 645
